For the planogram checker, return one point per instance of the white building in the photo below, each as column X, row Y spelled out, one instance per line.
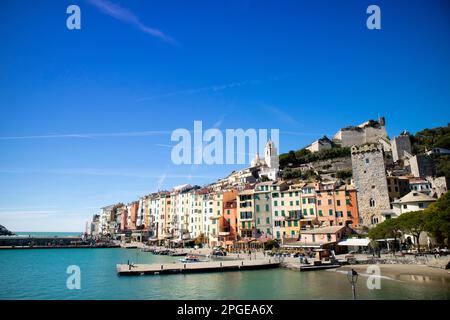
column 413, row 201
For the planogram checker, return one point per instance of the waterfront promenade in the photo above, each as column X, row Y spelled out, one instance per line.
column 208, row 266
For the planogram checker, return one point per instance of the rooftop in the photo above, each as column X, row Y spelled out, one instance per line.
column 323, row 230
column 415, row 196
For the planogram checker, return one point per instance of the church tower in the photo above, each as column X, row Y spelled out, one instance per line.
column 271, row 155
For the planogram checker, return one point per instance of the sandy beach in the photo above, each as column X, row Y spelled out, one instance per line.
column 419, row 274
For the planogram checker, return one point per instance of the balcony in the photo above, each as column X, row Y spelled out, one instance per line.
column 294, row 215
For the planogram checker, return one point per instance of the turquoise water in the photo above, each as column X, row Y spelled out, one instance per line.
column 41, row 274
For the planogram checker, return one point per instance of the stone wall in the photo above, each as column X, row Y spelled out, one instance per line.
column 422, row 166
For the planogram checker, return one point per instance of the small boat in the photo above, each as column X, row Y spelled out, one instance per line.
column 190, row 259
column 177, row 254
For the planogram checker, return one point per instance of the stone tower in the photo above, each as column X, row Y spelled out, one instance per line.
column 399, row 145
column 369, row 176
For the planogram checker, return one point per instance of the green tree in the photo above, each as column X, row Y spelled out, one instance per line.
column 387, row 229
column 438, row 222
column 413, row 223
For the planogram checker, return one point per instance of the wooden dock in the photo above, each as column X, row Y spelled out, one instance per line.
column 199, row 267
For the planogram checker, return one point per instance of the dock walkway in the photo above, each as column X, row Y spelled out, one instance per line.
column 200, row 267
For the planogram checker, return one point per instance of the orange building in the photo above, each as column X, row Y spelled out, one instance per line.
column 228, row 225
column 336, row 206
column 132, row 215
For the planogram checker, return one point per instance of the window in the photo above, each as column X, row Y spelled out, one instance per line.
column 291, row 203
column 282, row 203
column 405, row 206
column 338, row 202
column 292, row 233
column 289, row 223
column 319, row 202
column 282, row 213
column 304, row 200
column 297, row 203
column 290, row 194
column 330, row 212
column 420, row 205
column 372, row 203
column 276, row 213
column 349, row 214
column 268, row 220
column 305, row 212
column 228, row 211
column 267, row 207
column 311, row 211
column 275, row 203
column 295, row 223
column 347, row 201
column 330, row 202
column 367, row 161
column 257, row 208
column 320, row 213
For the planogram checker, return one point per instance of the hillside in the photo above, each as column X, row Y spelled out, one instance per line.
column 298, row 163
column 303, row 156
column 427, row 139
column 5, row 232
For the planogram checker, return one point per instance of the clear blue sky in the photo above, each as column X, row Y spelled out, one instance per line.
column 75, row 106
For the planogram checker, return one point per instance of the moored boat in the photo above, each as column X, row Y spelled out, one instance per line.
column 190, row 259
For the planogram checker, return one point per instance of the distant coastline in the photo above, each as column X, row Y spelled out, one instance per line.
column 48, row 234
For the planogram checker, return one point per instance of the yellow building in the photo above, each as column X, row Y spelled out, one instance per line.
column 291, row 211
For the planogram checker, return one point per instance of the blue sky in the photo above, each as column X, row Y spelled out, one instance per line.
column 86, row 115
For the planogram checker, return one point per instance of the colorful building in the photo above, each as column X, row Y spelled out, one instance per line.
column 245, row 215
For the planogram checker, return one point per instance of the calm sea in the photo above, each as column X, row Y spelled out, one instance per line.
column 41, row 274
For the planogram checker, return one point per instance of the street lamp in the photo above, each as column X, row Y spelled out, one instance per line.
column 352, row 277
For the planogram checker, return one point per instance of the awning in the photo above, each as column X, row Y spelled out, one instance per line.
column 355, row 242
column 299, row 244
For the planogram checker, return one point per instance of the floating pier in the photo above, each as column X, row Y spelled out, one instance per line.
column 199, row 267
column 319, row 267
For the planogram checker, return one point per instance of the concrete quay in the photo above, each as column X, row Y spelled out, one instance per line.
column 199, row 267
